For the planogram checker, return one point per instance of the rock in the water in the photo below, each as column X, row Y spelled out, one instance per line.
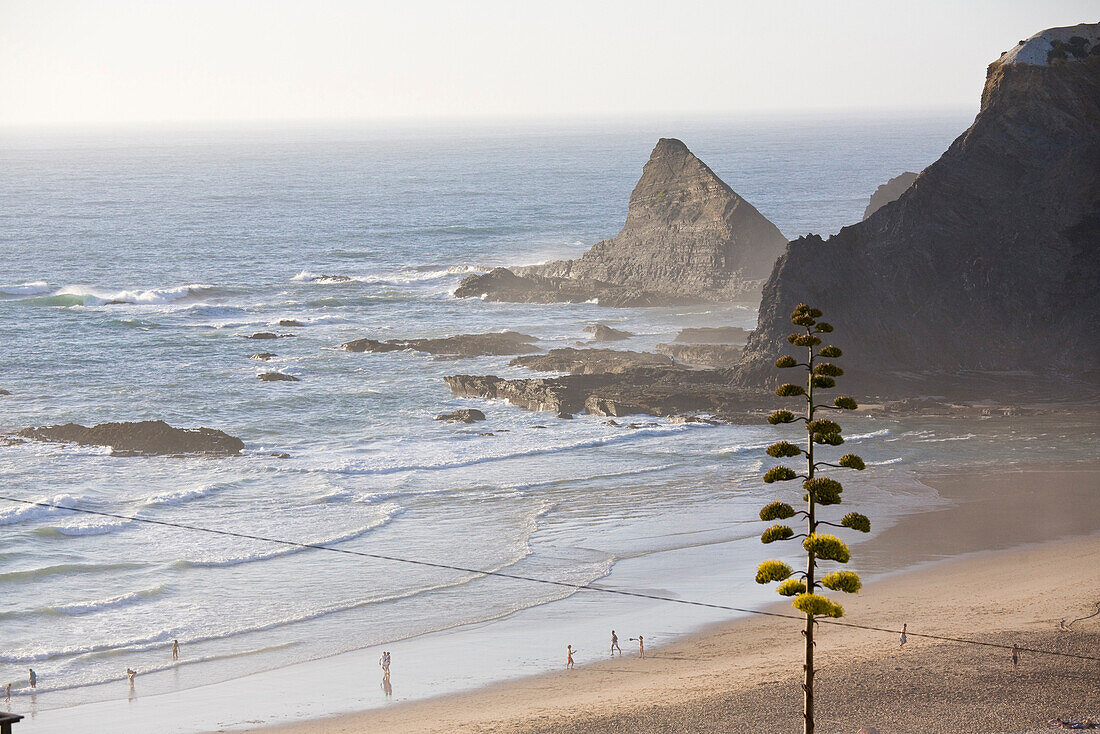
column 277, row 377
column 267, row 335
column 648, row 390
column 889, row 191
column 461, row 345
column 264, row 356
column 713, row 335
column 290, row 322
column 604, row 333
column 590, row 361
column 465, row 415
column 703, row 355
column 142, row 437
column 688, row 238
column 9, row 441
column 989, row 263
column 280, row 455
column 4, row 392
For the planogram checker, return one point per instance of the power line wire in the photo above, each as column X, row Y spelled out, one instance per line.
column 532, row 579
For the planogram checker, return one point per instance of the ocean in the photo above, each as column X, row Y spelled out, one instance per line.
column 132, row 264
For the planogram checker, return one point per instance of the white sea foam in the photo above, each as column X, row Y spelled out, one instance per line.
column 33, row 288
column 359, row 466
column 93, row 296
column 26, row 513
column 388, row 512
column 111, row 602
column 96, row 526
column 165, row 499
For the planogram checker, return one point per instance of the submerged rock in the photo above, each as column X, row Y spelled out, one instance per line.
column 264, row 356
column 688, row 238
column 277, row 377
column 589, row 361
column 461, row 345
column 464, row 415
column 889, row 191
column 290, row 322
column 988, row 264
column 142, row 437
column 604, row 333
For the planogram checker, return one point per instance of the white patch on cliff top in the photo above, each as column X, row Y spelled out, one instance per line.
column 1035, row 50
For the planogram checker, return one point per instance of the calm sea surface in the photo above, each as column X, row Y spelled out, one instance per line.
column 208, row 236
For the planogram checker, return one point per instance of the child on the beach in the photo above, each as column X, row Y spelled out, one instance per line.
column 569, row 656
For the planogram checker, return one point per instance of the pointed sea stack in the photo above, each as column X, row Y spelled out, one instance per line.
column 688, row 238
column 989, row 263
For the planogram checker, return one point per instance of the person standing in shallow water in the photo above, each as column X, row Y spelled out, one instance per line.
column 175, row 649
column 615, row 644
column 34, row 677
column 641, row 645
column 569, row 656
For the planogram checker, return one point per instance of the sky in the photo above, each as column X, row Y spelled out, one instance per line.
column 73, row 63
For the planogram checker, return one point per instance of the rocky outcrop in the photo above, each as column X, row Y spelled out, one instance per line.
column 889, row 191
column 465, row 415
column 713, row 335
column 268, row 335
column 604, row 333
column 663, row 391
column 264, row 356
column 688, row 238
column 702, row 355
column 290, row 322
column 990, row 263
column 277, row 377
column 590, row 361
column 461, row 345
column 142, row 437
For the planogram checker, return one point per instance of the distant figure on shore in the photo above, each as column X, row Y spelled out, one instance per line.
column 1015, row 656
column 33, row 677
column 131, row 674
column 569, row 656
column 641, row 645
column 175, row 649
column 904, row 639
column 384, row 661
column 615, row 644
column 7, row 692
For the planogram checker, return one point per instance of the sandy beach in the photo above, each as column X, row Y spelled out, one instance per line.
column 742, row 676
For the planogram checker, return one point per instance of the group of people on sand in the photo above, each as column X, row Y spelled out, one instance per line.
column 569, row 651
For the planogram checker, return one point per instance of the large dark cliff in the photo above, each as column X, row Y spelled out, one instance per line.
column 989, row 262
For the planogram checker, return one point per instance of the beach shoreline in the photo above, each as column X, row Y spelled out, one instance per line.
column 942, row 559
column 440, row 679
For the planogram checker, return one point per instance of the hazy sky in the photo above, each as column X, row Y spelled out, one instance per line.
column 69, row 62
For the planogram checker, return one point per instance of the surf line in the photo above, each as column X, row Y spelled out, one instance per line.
column 532, row 579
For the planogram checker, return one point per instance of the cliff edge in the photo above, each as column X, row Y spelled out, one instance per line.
column 989, row 262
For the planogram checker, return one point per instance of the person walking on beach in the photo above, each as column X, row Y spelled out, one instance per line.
column 641, row 645
column 384, row 661
column 33, row 677
column 1015, row 656
column 615, row 644
column 569, row 656
column 903, row 638
column 175, row 649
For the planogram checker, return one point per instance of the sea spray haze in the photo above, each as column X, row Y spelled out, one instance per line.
column 131, row 271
